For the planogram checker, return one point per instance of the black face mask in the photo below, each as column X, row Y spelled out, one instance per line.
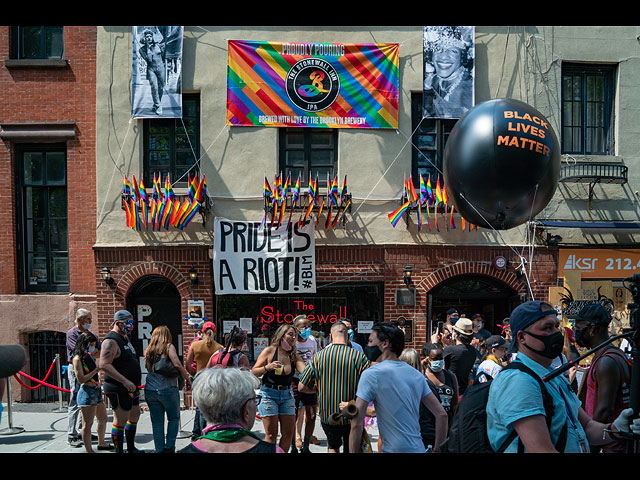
column 372, row 352
column 553, row 344
column 581, row 337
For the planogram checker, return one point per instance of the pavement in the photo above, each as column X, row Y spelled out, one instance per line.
column 42, row 428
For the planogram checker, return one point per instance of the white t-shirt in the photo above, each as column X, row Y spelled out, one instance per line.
column 396, row 390
column 306, row 350
column 489, row 367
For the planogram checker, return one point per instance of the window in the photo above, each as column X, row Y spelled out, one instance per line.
column 429, row 139
column 308, row 152
column 587, row 109
column 43, row 249
column 37, row 42
column 172, row 145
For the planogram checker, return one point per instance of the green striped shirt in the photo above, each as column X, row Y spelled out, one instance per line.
column 335, row 372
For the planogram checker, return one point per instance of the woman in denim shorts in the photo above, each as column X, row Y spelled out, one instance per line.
column 89, row 396
column 276, row 365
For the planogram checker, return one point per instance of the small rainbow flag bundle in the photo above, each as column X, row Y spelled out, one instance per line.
column 275, row 200
column 427, row 198
column 161, row 209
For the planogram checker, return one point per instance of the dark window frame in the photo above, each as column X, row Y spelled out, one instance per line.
column 175, row 124
column 582, row 73
column 22, row 242
column 307, row 149
column 17, row 42
column 439, row 130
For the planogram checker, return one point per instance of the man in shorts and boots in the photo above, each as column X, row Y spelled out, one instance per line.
column 122, row 377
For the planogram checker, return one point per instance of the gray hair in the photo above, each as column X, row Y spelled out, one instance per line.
column 82, row 312
column 220, row 393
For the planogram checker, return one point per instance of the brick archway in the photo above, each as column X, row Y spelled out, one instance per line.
column 464, row 268
column 136, row 271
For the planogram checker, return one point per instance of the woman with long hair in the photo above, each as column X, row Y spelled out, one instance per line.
column 231, row 355
column 276, row 365
column 161, row 388
column 89, row 397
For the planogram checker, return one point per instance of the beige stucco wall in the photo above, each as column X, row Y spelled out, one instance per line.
column 515, row 62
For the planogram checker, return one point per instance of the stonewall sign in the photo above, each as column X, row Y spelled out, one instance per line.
column 250, row 260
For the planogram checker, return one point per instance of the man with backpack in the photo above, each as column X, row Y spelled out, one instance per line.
column 609, row 376
column 525, row 414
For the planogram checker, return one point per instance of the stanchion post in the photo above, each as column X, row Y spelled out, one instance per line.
column 60, row 408
column 11, row 430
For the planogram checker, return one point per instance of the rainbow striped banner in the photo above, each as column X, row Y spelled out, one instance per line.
column 332, row 85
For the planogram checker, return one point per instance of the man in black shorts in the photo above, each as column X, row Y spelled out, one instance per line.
column 122, row 377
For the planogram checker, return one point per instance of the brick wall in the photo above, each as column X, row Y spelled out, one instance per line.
column 30, row 95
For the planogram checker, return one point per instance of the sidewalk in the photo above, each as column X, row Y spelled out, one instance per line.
column 44, row 430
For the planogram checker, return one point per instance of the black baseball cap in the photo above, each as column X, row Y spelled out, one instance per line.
column 451, row 311
column 495, row 341
column 593, row 313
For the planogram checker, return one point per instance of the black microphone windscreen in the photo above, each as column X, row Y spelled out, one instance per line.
column 12, row 359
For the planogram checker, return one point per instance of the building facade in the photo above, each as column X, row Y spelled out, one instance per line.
column 581, row 79
column 47, row 128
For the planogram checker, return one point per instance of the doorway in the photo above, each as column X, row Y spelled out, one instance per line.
column 471, row 294
column 154, row 301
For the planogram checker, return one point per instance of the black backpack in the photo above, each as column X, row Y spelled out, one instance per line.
column 468, row 427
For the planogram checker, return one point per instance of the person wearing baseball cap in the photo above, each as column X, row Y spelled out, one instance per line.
column 492, row 365
column 122, row 379
column 460, row 357
column 515, row 402
column 609, row 376
column 199, row 354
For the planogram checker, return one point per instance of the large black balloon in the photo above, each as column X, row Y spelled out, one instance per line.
column 501, row 164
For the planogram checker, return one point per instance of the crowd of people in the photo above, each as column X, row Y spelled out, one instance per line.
column 412, row 396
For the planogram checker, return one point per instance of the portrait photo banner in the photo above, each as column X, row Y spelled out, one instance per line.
column 449, row 71
column 251, row 260
column 156, row 72
column 332, row 85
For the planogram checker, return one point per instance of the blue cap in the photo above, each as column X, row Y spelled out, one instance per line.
column 525, row 315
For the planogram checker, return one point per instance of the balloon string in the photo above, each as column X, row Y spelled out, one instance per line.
column 506, row 244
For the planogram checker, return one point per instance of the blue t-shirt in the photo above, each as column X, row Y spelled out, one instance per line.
column 396, row 390
column 514, row 395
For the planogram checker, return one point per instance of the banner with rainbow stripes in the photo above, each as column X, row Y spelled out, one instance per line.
column 332, row 85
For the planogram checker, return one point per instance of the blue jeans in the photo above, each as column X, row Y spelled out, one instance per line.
column 163, row 402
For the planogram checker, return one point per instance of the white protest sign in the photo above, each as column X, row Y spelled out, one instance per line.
column 248, row 260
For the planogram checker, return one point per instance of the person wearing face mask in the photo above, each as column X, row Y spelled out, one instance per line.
column 82, row 325
column 516, row 414
column 608, row 378
column 334, row 373
column 277, row 364
column 307, row 347
column 396, row 390
column 443, row 384
column 122, row 377
column 479, row 332
column 89, row 394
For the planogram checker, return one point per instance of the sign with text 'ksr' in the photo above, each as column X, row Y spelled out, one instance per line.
column 599, row 263
column 251, row 260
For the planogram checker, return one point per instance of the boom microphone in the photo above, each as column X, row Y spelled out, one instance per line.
column 12, row 359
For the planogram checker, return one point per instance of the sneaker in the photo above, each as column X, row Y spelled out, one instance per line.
column 75, row 442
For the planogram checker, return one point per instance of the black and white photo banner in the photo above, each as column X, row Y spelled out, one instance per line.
column 250, row 260
column 156, row 90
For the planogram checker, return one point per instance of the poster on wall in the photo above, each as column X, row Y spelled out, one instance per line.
column 250, row 260
column 332, row 85
column 156, row 73
column 449, row 71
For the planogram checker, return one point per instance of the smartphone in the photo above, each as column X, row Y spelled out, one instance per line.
column 440, row 324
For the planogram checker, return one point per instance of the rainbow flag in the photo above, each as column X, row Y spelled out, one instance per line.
column 188, row 214
column 143, row 191
column 134, row 189
column 126, row 186
column 168, row 190
column 411, row 191
column 394, row 217
column 343, row 189
column 319, row 211
column 266, row 189
column 430, row 191
column 419, row 216
column 127, row 210
column 260, row 74
column 439, row 198
column 201, row 190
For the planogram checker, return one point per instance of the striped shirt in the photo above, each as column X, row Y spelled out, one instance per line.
column 335, row 372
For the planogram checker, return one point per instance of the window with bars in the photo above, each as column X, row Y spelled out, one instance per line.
column 172, row 145
column 43, row 247
column 37, row 42
column 308, row 152
column 429, row 139
column 587, row 108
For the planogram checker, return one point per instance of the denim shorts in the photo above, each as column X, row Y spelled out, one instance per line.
column 89, row 396
column 276, row 402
